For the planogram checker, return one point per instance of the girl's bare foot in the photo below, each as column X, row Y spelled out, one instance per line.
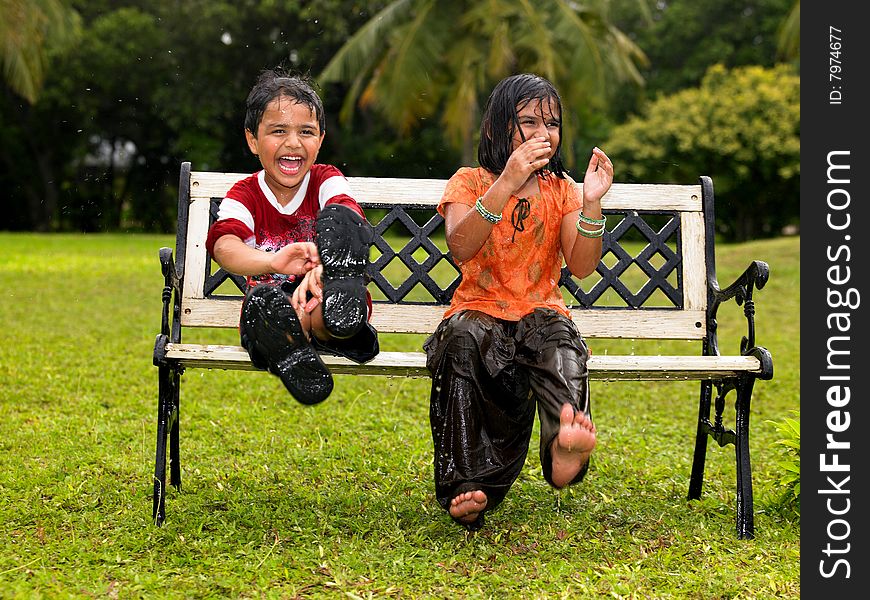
column 572, row 446
column 467, row 506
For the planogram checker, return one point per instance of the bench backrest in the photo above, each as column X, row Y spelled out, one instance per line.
column 651, row 282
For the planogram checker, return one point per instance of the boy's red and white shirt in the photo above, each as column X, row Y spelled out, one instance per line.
column 251, row 211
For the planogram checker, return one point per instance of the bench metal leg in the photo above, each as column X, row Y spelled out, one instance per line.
column 745, row 515
column 174, row 456
column 167, row 424
column 739, row 437
column 696, row 480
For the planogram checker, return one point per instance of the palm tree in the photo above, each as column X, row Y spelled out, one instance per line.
column 28, row 29
column 418, row 58
column 789, row 43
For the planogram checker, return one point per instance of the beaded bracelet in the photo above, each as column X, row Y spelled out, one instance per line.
column 481, row 209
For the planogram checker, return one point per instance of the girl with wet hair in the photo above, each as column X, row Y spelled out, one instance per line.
column 507, row 99
column 507, row 347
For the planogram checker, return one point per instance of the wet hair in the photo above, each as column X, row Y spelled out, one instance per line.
column 277, row 83
column 500, row 120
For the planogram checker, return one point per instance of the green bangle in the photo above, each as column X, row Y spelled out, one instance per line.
column 590, row 221
column 481, row 209
column 590, row 233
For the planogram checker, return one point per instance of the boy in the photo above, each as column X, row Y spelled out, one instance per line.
column 296, row 232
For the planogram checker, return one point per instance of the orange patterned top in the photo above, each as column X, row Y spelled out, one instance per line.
column 508, row 280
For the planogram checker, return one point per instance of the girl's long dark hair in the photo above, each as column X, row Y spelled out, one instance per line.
column 500, row 120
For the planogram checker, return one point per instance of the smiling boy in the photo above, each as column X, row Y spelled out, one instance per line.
column 295, row 231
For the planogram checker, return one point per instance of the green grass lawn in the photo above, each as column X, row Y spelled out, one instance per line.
column 280, row 500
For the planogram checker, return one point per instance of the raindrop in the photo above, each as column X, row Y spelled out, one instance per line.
column 226, row 38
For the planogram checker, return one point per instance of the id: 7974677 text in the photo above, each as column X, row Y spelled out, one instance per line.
column 835, row 65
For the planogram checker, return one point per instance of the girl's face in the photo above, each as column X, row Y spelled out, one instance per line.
column 538, row 118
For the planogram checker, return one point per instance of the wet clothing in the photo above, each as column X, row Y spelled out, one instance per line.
column 360, row 347
column 506, row 347
column 251, row 211
column 514, row 272
column 488, row 375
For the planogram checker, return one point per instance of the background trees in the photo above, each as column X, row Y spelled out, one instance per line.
column 741, row 126
column 28, row 29
column 147, row 84
column 417, row 59
column 132, row 87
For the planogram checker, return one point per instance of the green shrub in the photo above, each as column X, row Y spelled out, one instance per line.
column 790, row 478
column 740, row 126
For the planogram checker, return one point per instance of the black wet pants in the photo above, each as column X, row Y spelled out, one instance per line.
column 488, row 375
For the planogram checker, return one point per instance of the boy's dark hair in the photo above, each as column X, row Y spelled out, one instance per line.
column 275, row 83
column 500, row 120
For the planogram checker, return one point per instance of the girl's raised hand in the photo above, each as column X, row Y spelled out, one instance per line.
column 530, row 156
column 599, row 176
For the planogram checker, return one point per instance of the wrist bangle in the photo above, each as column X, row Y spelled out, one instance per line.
column 590, row 233
column 481, row 210
column 589, row 221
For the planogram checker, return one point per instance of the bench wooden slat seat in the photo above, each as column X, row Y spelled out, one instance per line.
column 413, row 364
column 656, row 281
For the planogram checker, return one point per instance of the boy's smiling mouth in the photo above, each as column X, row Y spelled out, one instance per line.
column 290, row 165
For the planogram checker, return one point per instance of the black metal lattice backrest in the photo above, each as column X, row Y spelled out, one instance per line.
column 214, row 280
column 658, row 230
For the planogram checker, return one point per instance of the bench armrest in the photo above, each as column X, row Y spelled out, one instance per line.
column 171, row 283
column 753, row 278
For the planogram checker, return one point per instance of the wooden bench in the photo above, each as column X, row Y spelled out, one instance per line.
column 659, row 243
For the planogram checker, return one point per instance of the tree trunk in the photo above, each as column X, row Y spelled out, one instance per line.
column 43, row 206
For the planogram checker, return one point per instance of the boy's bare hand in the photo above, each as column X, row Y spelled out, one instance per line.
column 295, row 259
column 311, row 283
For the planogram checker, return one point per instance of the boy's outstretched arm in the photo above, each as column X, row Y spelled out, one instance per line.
column 238, row 258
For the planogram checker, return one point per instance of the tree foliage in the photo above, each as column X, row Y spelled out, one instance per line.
column 789, row 41
column 147, row 84
column 140, row 85
column 683, row 38
column 28, row 29
column 741, row 126
column 417, row 59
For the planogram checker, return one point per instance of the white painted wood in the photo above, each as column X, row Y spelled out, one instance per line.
column 694, row 261
column 413, row 364
column 368, row 190
column 195, row 255
column 663, row 324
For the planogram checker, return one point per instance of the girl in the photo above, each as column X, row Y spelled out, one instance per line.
column 507, row 344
